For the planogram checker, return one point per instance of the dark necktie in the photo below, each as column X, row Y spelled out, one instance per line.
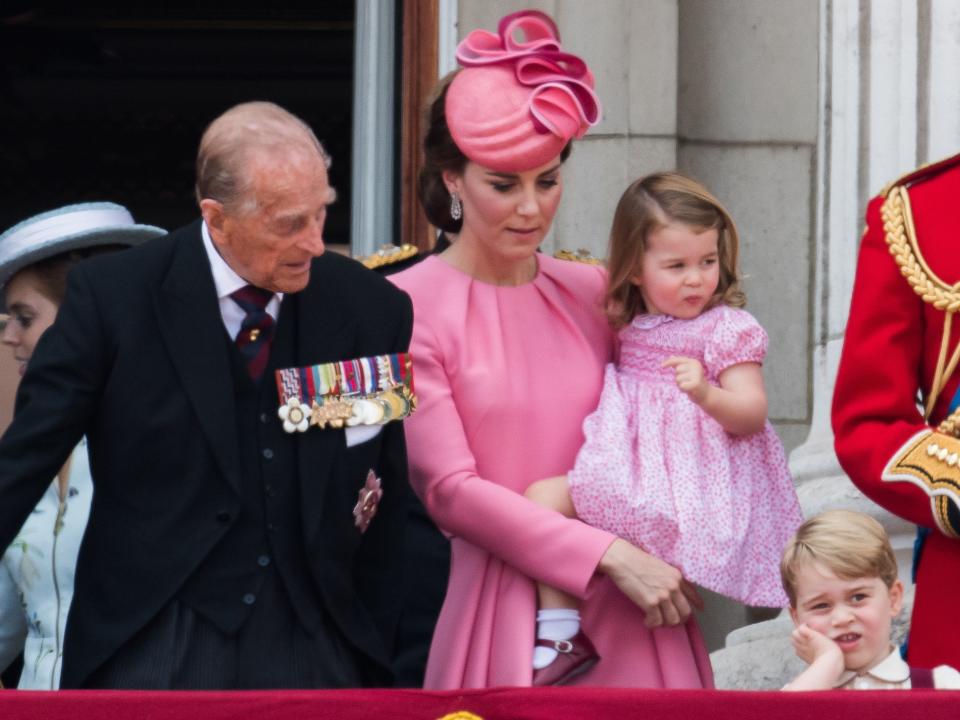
column 256, row 331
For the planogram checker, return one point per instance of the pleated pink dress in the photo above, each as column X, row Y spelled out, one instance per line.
column 661, row 473
column 505, row 377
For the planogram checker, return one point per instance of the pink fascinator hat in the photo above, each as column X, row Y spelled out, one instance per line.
column 520, row 98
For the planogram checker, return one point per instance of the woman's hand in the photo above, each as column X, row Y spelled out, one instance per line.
column 690, row 377
column 658, row 588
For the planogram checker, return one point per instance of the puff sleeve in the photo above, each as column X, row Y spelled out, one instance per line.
column 736, row 338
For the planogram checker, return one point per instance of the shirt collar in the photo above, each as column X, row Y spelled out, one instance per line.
column 892, row 669
column 225, row 278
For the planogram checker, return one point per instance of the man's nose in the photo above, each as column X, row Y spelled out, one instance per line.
column 312, row 239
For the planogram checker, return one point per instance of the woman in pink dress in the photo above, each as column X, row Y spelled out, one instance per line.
column 509, row 348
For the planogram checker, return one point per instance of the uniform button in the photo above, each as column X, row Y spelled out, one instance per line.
column 264, row 418
column 268, row 453
column 223, row 516
column 263, row 560
column 249, row 599
column 271, row 527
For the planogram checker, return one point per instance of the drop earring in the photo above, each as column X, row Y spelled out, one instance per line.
column 456, row 208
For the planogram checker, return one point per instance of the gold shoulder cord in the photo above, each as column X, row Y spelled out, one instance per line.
column 901, row 240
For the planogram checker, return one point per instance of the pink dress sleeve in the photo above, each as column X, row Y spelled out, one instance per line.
column 540, row 543
column 736, row 338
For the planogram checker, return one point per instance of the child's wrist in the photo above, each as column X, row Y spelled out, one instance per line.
column 701, row 393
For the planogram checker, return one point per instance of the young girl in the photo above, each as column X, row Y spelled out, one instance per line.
column 679, row 458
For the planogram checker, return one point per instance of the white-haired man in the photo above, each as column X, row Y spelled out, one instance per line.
column 222, row 552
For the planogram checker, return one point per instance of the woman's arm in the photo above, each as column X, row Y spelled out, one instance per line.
column 540, row 543
column 739, row 404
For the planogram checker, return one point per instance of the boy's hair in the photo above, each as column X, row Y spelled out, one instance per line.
column 648, row 204
column 850, row 544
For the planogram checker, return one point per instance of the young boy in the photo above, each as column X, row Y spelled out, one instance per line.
column 840, row 574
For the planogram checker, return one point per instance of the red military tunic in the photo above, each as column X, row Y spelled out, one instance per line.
column 894, row 344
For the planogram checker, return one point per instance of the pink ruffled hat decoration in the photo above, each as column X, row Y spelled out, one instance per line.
column 519, row 100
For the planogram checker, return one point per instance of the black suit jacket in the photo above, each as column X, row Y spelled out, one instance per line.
column 137, row 361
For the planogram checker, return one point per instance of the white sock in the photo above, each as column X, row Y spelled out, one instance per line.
column 554, row 624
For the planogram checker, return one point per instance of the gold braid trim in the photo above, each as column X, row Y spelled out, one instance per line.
column 902, row 242
column 901, row 238
column 941, row 516
column 951, row 425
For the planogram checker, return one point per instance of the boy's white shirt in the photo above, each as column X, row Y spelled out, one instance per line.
column 892, row 673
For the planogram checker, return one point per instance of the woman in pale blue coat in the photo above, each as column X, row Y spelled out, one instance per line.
column 36, row 572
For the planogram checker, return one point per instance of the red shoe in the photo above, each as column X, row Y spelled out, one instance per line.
column 574, row 657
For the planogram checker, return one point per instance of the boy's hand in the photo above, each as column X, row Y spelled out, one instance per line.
column 811, row 645
column 823, row 655
column 689, row 376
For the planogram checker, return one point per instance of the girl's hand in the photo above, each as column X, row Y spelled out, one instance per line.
column 658, row 588
column 689, row 376
column 811, row 645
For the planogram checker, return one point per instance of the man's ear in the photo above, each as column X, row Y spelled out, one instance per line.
column 214, row 217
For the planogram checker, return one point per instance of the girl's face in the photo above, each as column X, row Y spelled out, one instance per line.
column 507, row 214
column 31, row 313
column 680, row 270
column 856, row 614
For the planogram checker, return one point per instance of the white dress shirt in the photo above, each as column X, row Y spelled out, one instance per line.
column 226, row 281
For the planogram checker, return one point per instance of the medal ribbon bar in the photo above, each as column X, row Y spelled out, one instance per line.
column 363, row 391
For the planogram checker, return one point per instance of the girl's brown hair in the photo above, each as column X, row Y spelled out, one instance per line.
column 650, row 203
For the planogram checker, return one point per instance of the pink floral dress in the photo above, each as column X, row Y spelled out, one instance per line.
column 658, row 471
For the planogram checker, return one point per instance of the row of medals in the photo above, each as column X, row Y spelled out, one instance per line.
column 392, row 404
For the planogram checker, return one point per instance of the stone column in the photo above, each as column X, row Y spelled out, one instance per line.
column 374, row 78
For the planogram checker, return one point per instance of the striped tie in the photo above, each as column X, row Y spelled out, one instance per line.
column 256, row 331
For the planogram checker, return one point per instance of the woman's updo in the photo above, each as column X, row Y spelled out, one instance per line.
column 440, row 153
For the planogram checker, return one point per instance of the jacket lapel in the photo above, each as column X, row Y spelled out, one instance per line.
column 189, row 317
column 326, row 333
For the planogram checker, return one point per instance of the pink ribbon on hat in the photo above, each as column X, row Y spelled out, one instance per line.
column 563, row 102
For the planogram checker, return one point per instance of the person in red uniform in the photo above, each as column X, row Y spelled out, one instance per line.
column 895, row 415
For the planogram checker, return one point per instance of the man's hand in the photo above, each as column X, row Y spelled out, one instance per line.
column 689, row 376
column 658, row 588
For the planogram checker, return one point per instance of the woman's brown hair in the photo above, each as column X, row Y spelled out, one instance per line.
column 50, row 274
column 650, row 203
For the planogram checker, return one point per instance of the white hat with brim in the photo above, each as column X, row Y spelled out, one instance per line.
column 71, row 227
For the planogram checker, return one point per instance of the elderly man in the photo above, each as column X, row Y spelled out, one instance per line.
column 222, row 551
